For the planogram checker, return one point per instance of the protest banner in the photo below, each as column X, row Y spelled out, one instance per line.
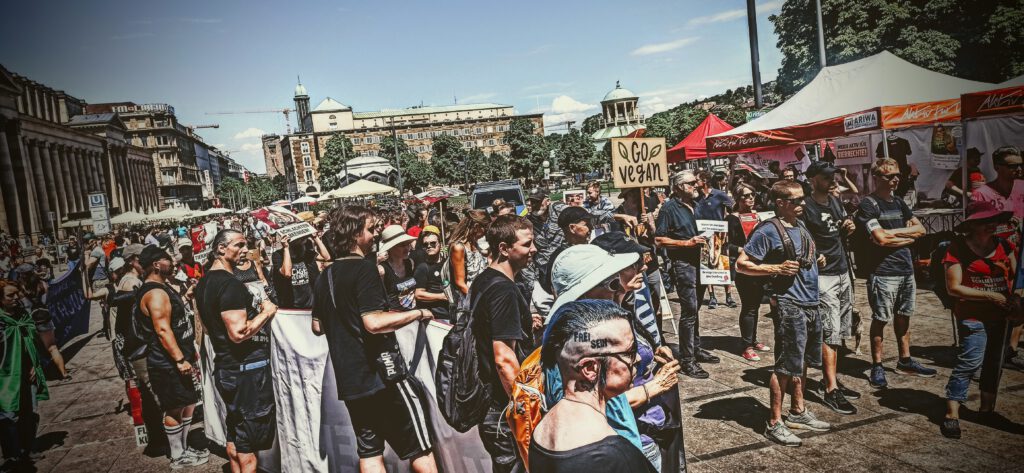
column 714, row 265
column 69, row 309
column 295, row 231
column 853, row 150
column 639, row 162
column 201, row 256
column 314, row 430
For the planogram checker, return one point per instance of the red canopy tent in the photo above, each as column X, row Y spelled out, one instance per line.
column 694, row 146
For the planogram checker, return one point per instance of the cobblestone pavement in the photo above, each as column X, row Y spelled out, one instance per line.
column 87, row 426
column 896, row 429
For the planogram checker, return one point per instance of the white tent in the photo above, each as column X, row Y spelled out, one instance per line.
column 217, row 211
column 1019, row 80
column 304, row 200
column 840, row 100
column 128, row 217
column 359, row 188
column 171, row 213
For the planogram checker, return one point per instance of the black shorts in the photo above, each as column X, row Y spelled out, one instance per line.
column 251, row 421
column 172, row 389
column 396, row 415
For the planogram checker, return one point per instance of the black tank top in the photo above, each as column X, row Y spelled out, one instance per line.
column 181, row 325
column 400, row 291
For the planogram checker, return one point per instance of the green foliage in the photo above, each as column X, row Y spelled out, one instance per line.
column 337, row 151
column 528, row 151
column 576, row 154
column 258, row 192
column 447, row 159
column 591, row 124
column 973, row 40
column 416, row 173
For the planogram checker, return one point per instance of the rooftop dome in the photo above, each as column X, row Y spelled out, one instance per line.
column 300, row 90
column 618, row 93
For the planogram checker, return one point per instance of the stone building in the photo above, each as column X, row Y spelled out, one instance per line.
column 620, row 116
column 155, row 127
column 480, row 126
column 272, row 155
column 53, row 154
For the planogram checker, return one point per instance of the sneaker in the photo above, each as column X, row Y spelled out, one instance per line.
column 806, row 421
column 847, row 392
column 762, row 347
column 729, row 302
column 713, row 304
column 912, row 367
column 694, row 370
column 950, row 428
column 836, row 401
column 204, row 453
column 704, row 356
column 187, row 461
column 877, row 378
column 1015, row 362
column 750, row 355
column 782, row 435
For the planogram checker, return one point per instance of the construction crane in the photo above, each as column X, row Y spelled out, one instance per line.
column 566, row 125
column 286, row 111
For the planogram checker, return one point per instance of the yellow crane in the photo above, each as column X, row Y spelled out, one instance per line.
column 286, row 111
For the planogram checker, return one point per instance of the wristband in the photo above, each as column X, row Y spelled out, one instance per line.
column 178, row 362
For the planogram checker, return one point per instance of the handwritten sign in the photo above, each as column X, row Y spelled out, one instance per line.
column 295, row 231
column 639, row 162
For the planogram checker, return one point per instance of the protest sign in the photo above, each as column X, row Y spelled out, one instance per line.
column 69, row 309
column 714, row 265
column 639, row 162
column 853, row 150
column 295, row 231
column 201, row 256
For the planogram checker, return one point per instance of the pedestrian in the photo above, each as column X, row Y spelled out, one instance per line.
column 166, row 325
column 385, row 403
column 466, row 257
column 22, row 376
column 643, row 231
column 750, row 288
column 34, row 288
column 235, row 319
column 980, row 268
column 295, row 271
column 503, row 331
column 677, row 233
column 888, row 229
column 712, row 204
column 577, row 225
column 784, row 251
column 430, row 287
column 829, row 225
column 398, row 270
column 593, row 347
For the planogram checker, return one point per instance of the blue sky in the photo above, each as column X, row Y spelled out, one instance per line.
column 556, row 57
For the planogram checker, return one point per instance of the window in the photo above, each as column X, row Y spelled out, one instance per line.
column 419, row 135
column 309, row 175
column 304, row 146
column 332, row 117
column 163, row 140
column 491, row 142
column 333, row 125
column 357, row 141
column 479, row 130
column 306, row 161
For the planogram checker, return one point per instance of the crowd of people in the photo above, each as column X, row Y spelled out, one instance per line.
column 569, row 290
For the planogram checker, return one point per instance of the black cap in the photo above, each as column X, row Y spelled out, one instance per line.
column 618, row 243
column 539, row 194
column 824, row 168
column 151, row 254
column 974, row 153
column 573, row 215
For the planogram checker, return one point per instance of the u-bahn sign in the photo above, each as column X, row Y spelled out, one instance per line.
column 100, row 216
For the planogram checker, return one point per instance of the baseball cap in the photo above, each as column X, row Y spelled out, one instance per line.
column 538, row 194
column 431, row 229
column 1006, row 154
column 182, row 242
column 573, row 215
column 134, row 249
column 824, row 168
column 580, row 268
column 116, row 264
column 152, row 253
column 618, row 243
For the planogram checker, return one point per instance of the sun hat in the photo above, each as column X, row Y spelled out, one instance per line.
column 580, row 268
column 116, row 264
column 134, row 249
column 980, row 211
column 393, row 235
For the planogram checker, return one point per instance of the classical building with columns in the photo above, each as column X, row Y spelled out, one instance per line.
column 52, row 157
column 620, row 117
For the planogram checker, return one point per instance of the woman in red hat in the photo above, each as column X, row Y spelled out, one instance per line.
column 980, row 268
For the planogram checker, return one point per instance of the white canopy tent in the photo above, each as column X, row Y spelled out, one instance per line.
column 129, row 217
column 360, row 188
column 172, row 213
column 304, row 200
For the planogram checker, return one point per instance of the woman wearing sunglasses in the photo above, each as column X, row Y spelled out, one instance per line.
column 751, row 289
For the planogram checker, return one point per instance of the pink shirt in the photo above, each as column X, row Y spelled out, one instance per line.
column 1014, row 203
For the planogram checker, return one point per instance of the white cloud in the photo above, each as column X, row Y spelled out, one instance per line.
column 729, row 15
column 251, row 132
column 251, row 147
column 662, row 47
column 477, row 98
column 567, row 104
column 565, row 108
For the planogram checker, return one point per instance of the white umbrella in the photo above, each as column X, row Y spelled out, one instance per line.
column 171, row 213
column 128, row 217
column 217, row 211
column 304, row 200
column 359, row 188
column 77, row 223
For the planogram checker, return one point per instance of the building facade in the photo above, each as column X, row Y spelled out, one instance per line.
column 53, row 154
column 482, row 126
column 272, row 156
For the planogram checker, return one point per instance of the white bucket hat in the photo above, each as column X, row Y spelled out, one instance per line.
column 580, row 268
column 393, row 235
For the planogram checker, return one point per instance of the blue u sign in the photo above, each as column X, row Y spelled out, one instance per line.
column 97, row 200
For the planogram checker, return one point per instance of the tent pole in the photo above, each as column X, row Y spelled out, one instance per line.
column 964, row 178
column 885, row 142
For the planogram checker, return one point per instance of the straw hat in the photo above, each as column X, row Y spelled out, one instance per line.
column 393, row 235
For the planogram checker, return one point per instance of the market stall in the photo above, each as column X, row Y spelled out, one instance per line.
column 694, row 146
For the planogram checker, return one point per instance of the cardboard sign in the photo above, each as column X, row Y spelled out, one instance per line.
column 295, row 231
column 855, row 150
column 639, row 162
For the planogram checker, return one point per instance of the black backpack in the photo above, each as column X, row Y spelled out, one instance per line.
column 937, row 270
column 806, row 256
column 463, row 395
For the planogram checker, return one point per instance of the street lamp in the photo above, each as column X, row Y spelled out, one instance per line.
column 547, row 170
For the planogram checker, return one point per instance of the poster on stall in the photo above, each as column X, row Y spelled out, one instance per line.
column 714, row 261
column 929, row 155
column 853, row 150
column 795, row 155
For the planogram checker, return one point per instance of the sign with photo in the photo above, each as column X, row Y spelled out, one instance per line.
column 639, row 162
column 714, row 262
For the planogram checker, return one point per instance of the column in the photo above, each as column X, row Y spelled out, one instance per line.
column 94, row 170
column 26, row 181
column 12, row 202
column 79, row 181
column 63, row 158
column 125, row 183
column 54, row 182
column 40, row 182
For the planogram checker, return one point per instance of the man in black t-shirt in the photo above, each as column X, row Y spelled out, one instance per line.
column 429, row 286
column 236, row 322
column 503, row 327
column 295, row 273
column 350, row 302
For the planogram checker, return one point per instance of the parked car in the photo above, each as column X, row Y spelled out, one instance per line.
column 508, row 190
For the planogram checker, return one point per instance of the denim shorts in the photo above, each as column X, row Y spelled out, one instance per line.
column 891, row 295
column 797, row 338
column 836, row 308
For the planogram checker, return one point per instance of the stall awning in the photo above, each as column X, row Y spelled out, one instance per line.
column 694, row 145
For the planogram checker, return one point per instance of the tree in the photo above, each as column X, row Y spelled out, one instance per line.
column 576, row 154
column 973, row 40
column 528, row 151
column 592, row 123
column 478, row 166
column 337, row 151
column 258, row 192
column 447, row 159
column 416, row 174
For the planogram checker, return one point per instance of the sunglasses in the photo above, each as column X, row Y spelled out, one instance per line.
column 888, row 177
column 689, row 183
column 747, row 196
column 795, row 201
column 613, row 284
column 1011, row 166
column 430, row 244
column 627, row 356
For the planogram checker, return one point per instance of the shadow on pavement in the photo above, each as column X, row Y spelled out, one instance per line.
column 745, row 411
column 68, row 352
column 50, row 440
column 758, row 376
column 724, row 343
column 938, row 355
